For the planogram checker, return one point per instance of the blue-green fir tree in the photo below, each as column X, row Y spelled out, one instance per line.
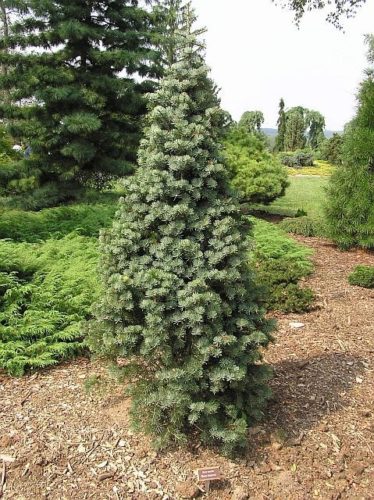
column 75, row 100
column 181, row 313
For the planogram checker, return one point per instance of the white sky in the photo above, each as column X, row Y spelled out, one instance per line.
column 257, row 55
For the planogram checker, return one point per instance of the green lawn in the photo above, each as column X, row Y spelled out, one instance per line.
column 304, row 193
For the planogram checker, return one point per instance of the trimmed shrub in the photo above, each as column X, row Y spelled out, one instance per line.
column 350, row 208
column 362, row 276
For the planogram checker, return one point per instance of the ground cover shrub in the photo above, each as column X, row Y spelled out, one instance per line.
column 304, row 226
column 281, row 263
column 85, row 219
column 362, row 276
column 46, row 291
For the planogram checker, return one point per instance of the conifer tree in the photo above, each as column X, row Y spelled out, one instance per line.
column 181, row 308
column 77, row 104
column 350, row 206
column 281, row 123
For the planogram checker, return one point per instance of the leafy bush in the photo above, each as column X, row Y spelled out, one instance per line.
column 362, row 276
column 298, row 159
column 305, row 226
column 281, row 263
column 256, row 174
column 46, row 291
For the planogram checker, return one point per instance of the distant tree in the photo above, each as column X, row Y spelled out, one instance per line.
column 350, row 209
column 180, row 300
column 337, row 9
column 252, row 121
column 296, row 125
column 74, row 106
column 316, row 126
column 281, row 123
column 332, row 149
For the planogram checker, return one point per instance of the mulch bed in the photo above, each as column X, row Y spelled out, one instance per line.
column 60, row 441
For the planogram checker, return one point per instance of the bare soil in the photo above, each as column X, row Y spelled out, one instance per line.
column 60, row 441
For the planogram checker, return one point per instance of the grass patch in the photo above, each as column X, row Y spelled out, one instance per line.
column 304, row 194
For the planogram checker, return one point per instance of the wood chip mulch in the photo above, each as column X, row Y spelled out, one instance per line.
column 60, row 441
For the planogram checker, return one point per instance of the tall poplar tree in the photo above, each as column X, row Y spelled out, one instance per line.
column 77, row 104
column 180, row 303
column 281, row 123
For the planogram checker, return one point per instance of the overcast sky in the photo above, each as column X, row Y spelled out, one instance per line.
column 257, row 55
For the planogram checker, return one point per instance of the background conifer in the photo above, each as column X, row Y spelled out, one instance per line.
column 70, row 76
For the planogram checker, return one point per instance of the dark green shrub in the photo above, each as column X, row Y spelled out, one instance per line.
column 332, row 149
column 362, row 276
column 280, row 278
column 255, row 174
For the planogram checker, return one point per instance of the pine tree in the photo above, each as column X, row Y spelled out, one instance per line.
column 281, row 123
column 74, row 106
column 181, row 308
column 350, row 208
